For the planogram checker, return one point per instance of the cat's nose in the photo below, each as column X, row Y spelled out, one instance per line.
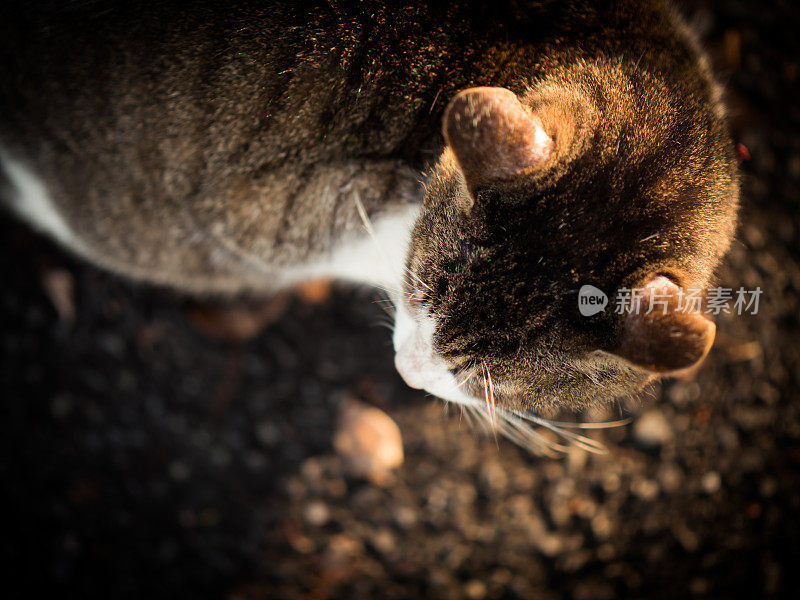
column 417, row 363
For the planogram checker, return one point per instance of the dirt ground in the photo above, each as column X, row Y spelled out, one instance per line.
column 143, row 459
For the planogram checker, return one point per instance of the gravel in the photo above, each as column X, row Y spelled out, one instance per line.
column 144, row 459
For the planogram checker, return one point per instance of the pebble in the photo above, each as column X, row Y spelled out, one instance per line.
column 601, row 526
column 652, row 429
column 405, row 517
column 61, row 406
column 316, row 513
column 646, row 489
column 179, row 470
column 711, row 482
column 475, row 589
column 368, row 441
column 267, row 433
column 670, row 476
column 384, row 541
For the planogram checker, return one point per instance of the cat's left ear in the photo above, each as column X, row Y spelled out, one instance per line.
column 494, row 138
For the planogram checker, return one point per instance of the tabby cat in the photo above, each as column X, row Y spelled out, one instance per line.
column 481, row 162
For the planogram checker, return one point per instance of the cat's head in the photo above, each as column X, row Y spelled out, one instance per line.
column 619, row 185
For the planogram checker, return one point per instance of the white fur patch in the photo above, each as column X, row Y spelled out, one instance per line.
column 31, row 201
column 378, row 261
column 418, row 363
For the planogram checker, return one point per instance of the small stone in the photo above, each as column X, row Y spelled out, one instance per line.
column 316, row 513
column 267, row 433
column 606, row 552
column 255, row 460
column 342, row 549
column 209, row 517
column 671, row 477
column 768, row 487
column 384, row 541
column 220, row 456
column 611, row 483
column 576, row 459
column 236, row 322
column 550, row 544
column 475, row 589
column 179, row 470
column 501, row 576
column 187, row 518
column 601, row 526
column 652, row 429
column 711, row 482
column 61, row 406
column 493, row 475
column 646, row 489
column 405, row 517
column 698, row 586
column 59, row 285
column 313, row 471
column 368, row 441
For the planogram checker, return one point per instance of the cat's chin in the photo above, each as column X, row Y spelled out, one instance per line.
column 416, row 361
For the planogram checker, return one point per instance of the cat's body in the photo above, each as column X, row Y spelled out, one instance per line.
column 227, row 148
column 242, row 134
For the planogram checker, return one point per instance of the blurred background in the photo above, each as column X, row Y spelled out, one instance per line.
column 155, row 447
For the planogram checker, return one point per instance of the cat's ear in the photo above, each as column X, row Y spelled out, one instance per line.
column 493, row 137
column 666, row 338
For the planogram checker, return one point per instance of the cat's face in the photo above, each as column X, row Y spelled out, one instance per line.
column 533, row 199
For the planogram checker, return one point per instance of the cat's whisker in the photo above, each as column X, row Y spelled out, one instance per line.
column 518, row 427
column 387, row 324
column 459, row 385
column 581, row 441
column 388, row 312
column 578, row 440
column 390, row 292
column 475, row 418
column 489, row 391
column 523, row 434
column 386, row 306
column 471, row 415
column 409, row 272
column 465, row 381
column 526, row 436
column 491, row 388
column 415, row 276
column 594, row 425
column 486, row 396
column 482, row 416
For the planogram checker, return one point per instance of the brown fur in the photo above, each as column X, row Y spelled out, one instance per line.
column 214, row 147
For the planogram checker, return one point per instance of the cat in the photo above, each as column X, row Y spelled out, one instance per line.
column 480, row 162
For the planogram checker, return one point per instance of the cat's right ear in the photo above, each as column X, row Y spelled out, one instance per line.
column 661, row 336
column 494, row 138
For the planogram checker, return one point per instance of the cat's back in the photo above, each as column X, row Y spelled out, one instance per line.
column 168, row 138
column 185, row 142
column 309, row 80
